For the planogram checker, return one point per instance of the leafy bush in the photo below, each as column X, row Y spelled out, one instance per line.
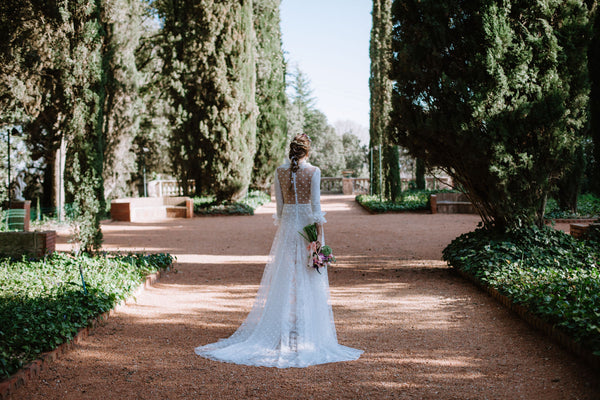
column 43, row 303
column 412, row 200
column 588, row 206
column 208, row 205
column 549, row 272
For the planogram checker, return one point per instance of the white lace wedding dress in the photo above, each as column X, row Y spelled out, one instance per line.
column 291, row 322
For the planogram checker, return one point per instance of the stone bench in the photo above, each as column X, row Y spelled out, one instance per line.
column 451, row 203
column 142, row 209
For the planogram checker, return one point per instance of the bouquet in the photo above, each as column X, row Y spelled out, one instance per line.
column 318, row 256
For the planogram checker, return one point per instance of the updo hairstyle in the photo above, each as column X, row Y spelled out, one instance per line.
column 299, row 148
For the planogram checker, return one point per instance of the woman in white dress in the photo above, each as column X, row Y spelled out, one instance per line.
column 291, row 322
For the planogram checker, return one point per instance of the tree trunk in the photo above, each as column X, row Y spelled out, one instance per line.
column 569, row 185
column 58, row 180
column 420, row 174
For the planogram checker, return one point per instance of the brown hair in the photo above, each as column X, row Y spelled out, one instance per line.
column 299, row 148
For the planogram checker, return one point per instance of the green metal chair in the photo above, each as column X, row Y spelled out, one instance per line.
column 14, row 220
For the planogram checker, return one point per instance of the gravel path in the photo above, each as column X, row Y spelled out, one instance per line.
column 427, row 333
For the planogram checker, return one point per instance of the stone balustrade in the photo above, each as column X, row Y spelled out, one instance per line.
column 169, row 187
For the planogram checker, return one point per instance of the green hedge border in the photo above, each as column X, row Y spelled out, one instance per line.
column 207, row 206
column 418, row 206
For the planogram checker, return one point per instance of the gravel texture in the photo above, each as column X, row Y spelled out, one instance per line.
column 426, row 332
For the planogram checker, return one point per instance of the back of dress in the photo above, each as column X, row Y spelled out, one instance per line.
column 291, row 321
column 301, row 187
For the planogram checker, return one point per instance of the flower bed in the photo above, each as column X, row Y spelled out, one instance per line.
column 207, row 205
column 554, row 276
column 413, row 200
column 43, row 303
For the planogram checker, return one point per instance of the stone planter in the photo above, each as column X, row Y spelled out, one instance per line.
column 35, row 244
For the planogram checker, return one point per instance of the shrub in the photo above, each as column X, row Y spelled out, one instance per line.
column 207, row 205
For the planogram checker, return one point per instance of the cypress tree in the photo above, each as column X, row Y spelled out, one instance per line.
column 84, row 78
column 381, row 92
column 270, row 93
column 210, row 75
column 594, row 67
column 420, row 174
column 327, row 149
column 123, row 105
column 494, row 93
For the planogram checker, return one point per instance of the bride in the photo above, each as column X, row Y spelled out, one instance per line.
column 291, row 322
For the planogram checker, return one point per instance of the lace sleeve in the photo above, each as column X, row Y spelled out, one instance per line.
column 315, row 199
column 279, row 199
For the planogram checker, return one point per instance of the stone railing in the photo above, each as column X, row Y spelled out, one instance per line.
column 168, row 187
column 331, row 185
column 359, row 185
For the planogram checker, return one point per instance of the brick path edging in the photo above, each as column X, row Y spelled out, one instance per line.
column 553, row 331
column 33, row 369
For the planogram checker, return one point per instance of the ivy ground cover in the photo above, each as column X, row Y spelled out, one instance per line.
column 553, row 275
column 44, row 303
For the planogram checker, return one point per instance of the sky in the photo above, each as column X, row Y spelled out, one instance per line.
column 329, row 41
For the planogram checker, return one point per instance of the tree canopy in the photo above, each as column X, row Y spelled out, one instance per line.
column 495, row 93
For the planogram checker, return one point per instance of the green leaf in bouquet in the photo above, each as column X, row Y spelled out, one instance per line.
column 310, row 233
column 326, row 250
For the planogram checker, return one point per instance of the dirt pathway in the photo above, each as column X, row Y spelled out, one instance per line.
column 427, row 334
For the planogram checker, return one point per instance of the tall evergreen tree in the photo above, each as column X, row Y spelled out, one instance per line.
column 83, row 75
column 496, row 93
column 302, row 93
column 123, row 105
column 152, row 143
column 381, row 106
column 420, row 174
column 209, row 69
column 270, row 93
column 327, row 149
column 594, row 67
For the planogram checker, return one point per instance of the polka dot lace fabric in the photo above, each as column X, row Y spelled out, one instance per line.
column 291, row 322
